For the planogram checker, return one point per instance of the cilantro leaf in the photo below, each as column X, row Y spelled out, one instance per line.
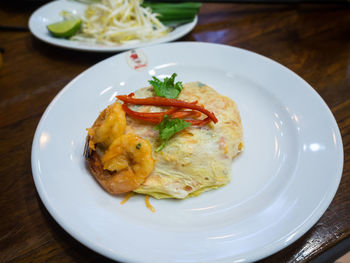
column 168, row 127
column 167, row 88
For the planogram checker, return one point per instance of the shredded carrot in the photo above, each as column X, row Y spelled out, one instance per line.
column 148, row 204
column 159, row 101
column 127, row 197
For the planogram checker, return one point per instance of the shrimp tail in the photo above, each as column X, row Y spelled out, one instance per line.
column 87, row 149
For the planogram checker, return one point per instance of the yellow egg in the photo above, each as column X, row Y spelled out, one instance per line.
column 198, row 158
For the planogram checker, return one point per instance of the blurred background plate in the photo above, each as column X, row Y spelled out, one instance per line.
column 50, row 13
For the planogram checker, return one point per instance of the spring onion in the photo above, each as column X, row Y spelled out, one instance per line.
column 174, row 13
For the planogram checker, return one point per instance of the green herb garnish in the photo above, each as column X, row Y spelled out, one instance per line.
column 138, row 146
column 168, row 127
column 174, row 13
column 167, row 88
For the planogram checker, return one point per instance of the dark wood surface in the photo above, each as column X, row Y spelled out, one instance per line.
column 311, row 40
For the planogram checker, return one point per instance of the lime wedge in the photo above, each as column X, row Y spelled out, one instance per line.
column 66, row 28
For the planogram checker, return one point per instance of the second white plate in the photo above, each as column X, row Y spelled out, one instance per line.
column 49, row 13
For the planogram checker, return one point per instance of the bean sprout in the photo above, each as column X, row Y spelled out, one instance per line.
column 118, row 22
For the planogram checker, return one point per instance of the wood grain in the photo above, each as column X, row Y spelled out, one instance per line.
column 311, row 40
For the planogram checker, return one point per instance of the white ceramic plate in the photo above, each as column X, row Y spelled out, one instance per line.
column 50, row 13
column 282, row 183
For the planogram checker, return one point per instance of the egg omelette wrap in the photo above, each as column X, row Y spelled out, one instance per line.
column 194, row 160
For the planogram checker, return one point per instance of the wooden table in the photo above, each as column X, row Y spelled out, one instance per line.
column 311, row 40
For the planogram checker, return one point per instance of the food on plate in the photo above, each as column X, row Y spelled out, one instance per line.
column 117, row 22
column 120, row 21
column 169, row 140
column 125, row 164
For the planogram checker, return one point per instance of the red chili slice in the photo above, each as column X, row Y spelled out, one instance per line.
column 183, row 114
column 140, row 115
column 159, row 101
column 148, row 114
column 199, row 122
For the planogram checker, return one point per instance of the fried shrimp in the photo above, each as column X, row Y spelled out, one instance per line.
column 125, row 165
column 120, row 162
column 109, row 125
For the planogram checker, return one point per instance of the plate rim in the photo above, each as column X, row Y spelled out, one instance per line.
column 101, row 49
column 270, row 249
